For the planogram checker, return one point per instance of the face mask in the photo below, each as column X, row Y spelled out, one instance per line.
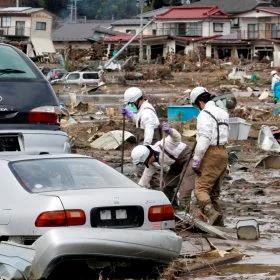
column 132, row 107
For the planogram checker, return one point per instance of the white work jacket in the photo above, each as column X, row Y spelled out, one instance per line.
column 172, row 149
column 274, row 80
column 207, row 125
column 146, row 119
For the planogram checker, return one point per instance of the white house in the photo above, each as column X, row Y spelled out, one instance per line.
column 30, row 26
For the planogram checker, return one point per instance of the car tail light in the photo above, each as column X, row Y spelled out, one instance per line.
column 61, row 218
column 160, row 213
column 44, row 114
column 42, row 117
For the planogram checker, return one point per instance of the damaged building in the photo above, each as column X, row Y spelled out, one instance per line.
column 28, row 28
column 253, row 35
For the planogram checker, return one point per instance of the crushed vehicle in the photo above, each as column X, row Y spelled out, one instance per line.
column 80, row 78
column 29, row 108
column 61, row 209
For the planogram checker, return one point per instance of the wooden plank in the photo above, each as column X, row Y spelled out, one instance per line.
column 228, row 258
column 187, row 218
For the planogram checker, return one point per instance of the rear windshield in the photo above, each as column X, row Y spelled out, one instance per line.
column 44, row 175
column 12, row 65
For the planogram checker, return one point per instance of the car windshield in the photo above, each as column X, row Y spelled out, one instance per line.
column 45, row 175
column 12, row 65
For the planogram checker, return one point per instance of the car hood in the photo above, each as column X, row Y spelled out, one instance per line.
column 90, row 198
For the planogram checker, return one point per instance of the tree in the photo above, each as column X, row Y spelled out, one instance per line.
column 157, row 4
column 160, row 3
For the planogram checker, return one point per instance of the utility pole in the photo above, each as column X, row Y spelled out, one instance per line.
column 141, row 2
column 75, row 11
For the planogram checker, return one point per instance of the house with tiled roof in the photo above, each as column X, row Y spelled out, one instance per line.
column 249, row 31
column 80, row 35
column 193, row 21
column 176, row 29
column 233, row 7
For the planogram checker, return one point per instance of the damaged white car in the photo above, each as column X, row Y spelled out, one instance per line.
column 73, row 215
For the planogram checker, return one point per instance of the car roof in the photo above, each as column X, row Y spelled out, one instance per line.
column 18, row 156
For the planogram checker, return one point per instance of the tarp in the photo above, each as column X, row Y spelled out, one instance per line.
column 42, row 45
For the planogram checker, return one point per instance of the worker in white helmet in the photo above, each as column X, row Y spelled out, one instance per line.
column 210, row 156
column 176, row 154
column 143, row 114
column 275, row 85
column 274, row 78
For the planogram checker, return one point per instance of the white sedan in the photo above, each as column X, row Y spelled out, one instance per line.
column 81, row 207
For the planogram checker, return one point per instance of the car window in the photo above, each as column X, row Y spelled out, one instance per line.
column 90, row 76
column 44, row 175
column 12, row 65
column 74, row 76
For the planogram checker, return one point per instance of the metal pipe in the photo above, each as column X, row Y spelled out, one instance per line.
column 122, row 151
column 126, row 45
column 141, row 34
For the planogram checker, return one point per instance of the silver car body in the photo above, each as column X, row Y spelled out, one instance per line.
column 79, row 78
column 90, row 245
column 31, row 140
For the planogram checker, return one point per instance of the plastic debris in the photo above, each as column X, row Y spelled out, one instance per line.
column 248, row 229
column 267, row 141
column 112, row 140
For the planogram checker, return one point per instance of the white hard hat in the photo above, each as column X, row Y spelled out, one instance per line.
column 132, row 94
column 273, row 72
column 139, row 154
column 196, row 92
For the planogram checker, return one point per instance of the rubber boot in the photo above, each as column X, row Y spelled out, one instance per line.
column 220, row 221
column 211, row 214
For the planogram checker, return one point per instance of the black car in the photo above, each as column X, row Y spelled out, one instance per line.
column 29, row 108
column 27, row 101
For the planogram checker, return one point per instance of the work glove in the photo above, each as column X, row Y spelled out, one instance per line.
column 166, row 128
column 196, row 165
column 127, row 113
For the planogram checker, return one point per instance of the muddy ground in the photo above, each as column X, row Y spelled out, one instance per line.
column 249, row 192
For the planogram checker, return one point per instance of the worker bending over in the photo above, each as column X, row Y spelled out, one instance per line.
column 210, row 156
column 170, row 154
column 143, row 114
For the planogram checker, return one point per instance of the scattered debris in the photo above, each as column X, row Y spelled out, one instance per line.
column 248, row 229
column 264, row 95
column 238, row 74
column 238, row 129
column 112, row 140
column 269, row 162
column 267, row 141
column 186, row 266
column 205, row 227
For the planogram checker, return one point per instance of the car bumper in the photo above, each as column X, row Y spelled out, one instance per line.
column 41, row 140
column 61, row 244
